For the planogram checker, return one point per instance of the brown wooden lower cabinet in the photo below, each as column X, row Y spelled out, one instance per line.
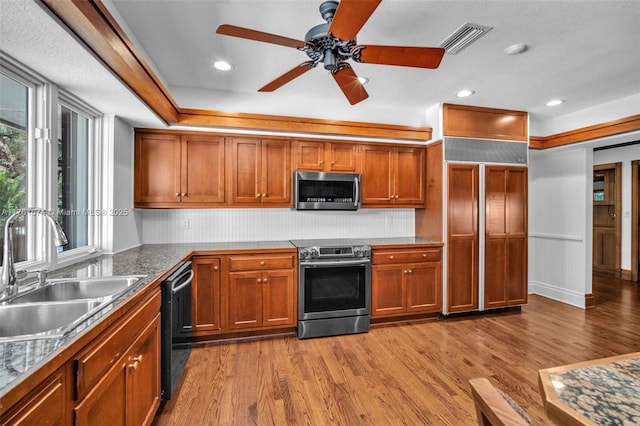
column 405, row 282
column 261, row 299
column 205, row 295
column 114, row 380
column 47, row 405
column 129, row 393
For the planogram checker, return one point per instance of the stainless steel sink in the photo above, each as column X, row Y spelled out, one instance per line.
column 43, row 320
column 64, row 289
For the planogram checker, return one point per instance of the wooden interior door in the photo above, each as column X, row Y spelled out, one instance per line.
column 462, row 237
column 606, row 218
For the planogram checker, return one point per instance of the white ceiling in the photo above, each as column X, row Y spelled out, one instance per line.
column 584, row 52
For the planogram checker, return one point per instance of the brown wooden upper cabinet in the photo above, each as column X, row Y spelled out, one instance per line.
column 259, row 172
column 392, row 176
column 178, row 170
column 324, row 156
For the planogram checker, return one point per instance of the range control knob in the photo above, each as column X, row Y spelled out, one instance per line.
column 361, row 251
column 314, row 252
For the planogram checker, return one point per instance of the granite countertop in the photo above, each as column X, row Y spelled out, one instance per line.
column 606, row 394
column 20, row 358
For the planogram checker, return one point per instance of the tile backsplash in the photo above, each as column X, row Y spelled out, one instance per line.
column 269, row 224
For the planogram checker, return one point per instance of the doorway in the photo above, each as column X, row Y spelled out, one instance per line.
column 607, row 203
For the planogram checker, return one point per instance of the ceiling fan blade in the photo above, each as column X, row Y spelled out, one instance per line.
column 350, row 16
column 232, row 30
column 287, row 77
column 421, row 57
column 350, row 85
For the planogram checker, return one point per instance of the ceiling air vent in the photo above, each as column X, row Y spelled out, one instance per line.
column 463, row 37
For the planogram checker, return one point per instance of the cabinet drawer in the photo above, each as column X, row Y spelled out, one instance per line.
column 261, row 262
column 95, row 360
column 404, row 256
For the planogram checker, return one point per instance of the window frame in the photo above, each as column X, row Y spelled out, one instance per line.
column 42, row 157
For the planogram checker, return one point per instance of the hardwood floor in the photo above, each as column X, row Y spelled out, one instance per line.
column 403, row 374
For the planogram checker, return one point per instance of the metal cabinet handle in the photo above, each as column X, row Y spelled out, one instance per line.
column 177, row 194
column 263, row 263
column 264, row 280
column 136, row 361
column 259, row 280
column 392, row 257
column 184, row 194
column 257, row 195
column 264, row 195
column 215, row 268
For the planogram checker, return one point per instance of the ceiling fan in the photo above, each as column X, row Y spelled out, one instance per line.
column 334, row 42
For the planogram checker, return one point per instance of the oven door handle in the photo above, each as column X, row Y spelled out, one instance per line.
column 335, row 263
column 174, row 290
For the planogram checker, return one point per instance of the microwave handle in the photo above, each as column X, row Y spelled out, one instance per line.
column 357, row 197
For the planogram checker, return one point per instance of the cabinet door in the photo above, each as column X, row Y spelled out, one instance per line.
column 423, row 287
column 143, row 376
column 409, row 176
column 205, row 294
column 308, row 155
column 245, row 300
column 388, row 295
column 106, row 403
column 462, row 237
column 202, row 169
column 157, row 168
column 505, row 236
column 48, row 406
column 278, row 298
column 244, row 170
column 343, row 157
column 276, row 173
column 377, row 174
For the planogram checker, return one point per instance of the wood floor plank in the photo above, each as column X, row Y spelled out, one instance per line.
column 402, row 374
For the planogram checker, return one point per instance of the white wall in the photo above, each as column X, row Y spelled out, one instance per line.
column 560, row 220
column 123, row 223
column 624, row 155
column 610, row 111
column 269, row 224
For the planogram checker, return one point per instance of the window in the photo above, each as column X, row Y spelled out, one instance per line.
column 49, row 155
column 73, row 176
column 14, row 137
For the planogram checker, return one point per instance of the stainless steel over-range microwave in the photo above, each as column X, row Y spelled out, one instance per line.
column 326, row 190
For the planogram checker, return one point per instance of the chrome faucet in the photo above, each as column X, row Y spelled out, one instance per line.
column 9, row 277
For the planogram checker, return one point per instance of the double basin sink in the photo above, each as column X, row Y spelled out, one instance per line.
column 59, row 305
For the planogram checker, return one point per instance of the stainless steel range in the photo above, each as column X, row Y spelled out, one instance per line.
column 334, row 287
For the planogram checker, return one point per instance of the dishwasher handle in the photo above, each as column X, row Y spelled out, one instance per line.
column 175, row 290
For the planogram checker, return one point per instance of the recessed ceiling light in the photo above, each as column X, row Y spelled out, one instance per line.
column 465, row 93
column 554, row 102
column 222, row 65
column 516, row 49
column 363, row 80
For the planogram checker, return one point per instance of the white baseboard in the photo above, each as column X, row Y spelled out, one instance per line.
column 560, row 294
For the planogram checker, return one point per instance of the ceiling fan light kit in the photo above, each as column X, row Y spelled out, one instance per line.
column 334, row 43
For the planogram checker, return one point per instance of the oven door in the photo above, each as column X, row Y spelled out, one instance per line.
column 334, row 288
